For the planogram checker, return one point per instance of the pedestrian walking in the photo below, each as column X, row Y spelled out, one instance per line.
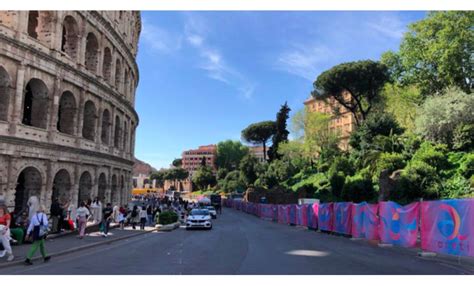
column 107, row 218
column 143, row 218
column 149, row 214
column 37, row 231
column 134, row 217
column 33, row 205
column 56, row 214
column 5, row 221
column 96, row 208
column 121, row 217
column 82, row 214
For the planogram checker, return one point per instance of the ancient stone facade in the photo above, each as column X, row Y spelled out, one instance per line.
column 67, row 93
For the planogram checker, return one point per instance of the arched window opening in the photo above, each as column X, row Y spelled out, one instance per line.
column 107, row 64
column 70, row 37
column 92, row 52
column 88, row 127
column 118, row 75
column 117, row 133
column 5, row 92
column 105, row 127
column 66, row 113
column 35, row 104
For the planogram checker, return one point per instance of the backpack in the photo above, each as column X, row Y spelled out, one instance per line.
column 40, row 231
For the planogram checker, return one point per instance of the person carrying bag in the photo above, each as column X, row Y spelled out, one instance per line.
column 37, row 232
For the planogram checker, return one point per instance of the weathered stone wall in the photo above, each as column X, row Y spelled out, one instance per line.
column 64, row 101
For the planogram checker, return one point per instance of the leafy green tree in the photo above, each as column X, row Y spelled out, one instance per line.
column 177, row 162
column 248, row 169
column 232, row 182
column 259, row 133
column 363, row 81
column 402, row 102
column 229, row 154
column 159, row 177
column 440, row 116
column 221, row 173
column 313, row 130
column 204, row 177
column 281, row 133
column 436, row 53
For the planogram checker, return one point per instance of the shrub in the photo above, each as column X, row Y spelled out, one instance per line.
column 390, row 162
column 467, row 166
column 433, row 155
column 457, row 187
column 463, row 137
column 358, row 189
column 417, row 180
column 337, row 181
column 167, row 217
column 342, row 164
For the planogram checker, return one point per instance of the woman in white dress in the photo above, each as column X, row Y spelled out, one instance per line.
column 33, row 206
column 96, row 207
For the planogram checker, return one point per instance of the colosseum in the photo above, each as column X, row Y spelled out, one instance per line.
column 67, row 93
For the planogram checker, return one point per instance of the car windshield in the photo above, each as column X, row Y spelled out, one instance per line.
column 199, row 212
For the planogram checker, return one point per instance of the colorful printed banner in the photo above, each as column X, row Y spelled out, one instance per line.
column 266, row 211
column 399, row 224
column 325, row 217
column 365, row 222
column 283, row 214
column 292, row 214
column 447, row 226
column 313, row 216
column 342, row 218
column 302, row 215
column 275, row 212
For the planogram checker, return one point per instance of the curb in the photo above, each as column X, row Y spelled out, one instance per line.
column 168, row 227
column 75, row 249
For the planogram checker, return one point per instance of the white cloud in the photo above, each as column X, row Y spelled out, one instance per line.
column 388, row 25
column 158, row 39
column 211, row 59
column 304, row 60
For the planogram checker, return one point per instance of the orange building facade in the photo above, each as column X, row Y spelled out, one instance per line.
column 342, row 121
column 192, row 159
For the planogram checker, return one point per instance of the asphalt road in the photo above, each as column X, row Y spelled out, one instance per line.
column 242, row 244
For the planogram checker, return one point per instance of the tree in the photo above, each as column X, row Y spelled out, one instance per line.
column 313, row 130
column 281, row 133
column 232, row 182
column 355, row 85
column 436, row 53
column 229, row 154
column 204, row 177
column 259, row 133
column 203, row 161
column 159, row 177
column 177, row 162
column 248, row 169
column 442, row 118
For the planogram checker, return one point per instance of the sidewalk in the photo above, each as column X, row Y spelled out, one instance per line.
column 67, row 243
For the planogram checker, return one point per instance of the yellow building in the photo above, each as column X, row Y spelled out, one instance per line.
column 342, row 120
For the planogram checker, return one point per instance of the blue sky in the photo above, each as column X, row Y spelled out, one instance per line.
column 205, row 76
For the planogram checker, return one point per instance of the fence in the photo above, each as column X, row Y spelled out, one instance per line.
column 445, row 226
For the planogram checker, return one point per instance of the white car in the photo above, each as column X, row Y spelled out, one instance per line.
column 212, row 211
column 199, row 218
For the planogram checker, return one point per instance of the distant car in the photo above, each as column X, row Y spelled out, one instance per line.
column 199, row 218
column 212, row 211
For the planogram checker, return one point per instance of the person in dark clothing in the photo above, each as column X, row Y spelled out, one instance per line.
column 107, row 218
column 149, row 214
column 56, row 214
column 134, row 217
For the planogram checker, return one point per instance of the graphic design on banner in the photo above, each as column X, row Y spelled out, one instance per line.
column 342, row 218
column 365, row 222
column 283, row 214
column 325, row 220
column 266, row 211
column 292, row 214
column 302, row 215
column 313, row 210
column 275, row 212
column 399, row 224
column 447, row 226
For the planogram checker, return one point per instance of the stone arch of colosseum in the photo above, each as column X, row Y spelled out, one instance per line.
column 35, row 103
column 46, row 69
column 102, row 188
column 6, row 92
column 89, row 122
column 67, row 111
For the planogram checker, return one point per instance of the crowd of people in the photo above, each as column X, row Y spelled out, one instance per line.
column 31, row 224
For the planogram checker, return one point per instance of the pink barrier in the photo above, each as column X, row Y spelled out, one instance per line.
column 266, row 211
column 399, row 224
column 302, row 215
column 447, row 226
column 342, row 218
column 283, row 214
column 313, row 211
column 365, row 222
column 325, row 217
